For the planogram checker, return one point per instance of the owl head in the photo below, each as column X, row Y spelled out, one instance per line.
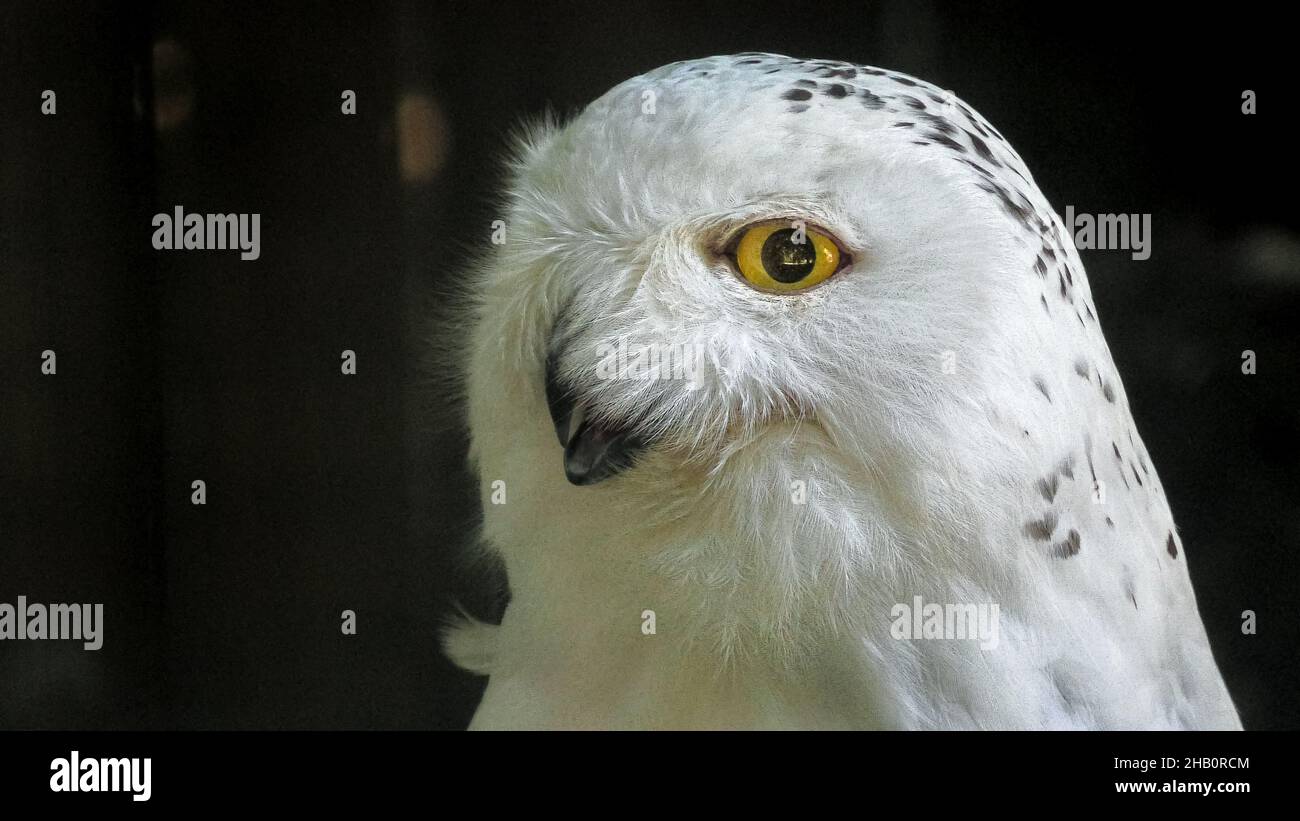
column 755, row 317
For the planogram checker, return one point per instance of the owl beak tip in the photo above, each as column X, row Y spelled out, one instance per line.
column 593, row 452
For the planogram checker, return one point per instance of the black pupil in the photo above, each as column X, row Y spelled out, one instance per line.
column 786, row 260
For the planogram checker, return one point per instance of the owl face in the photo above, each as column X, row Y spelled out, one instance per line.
column 727, row 245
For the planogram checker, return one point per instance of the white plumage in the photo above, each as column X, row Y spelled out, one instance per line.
column 944, row 403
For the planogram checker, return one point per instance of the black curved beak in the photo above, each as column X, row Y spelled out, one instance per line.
column 593, row 451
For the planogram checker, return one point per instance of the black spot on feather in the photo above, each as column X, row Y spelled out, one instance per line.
column 1042, row 387
column 870, row 100
column 941, row 124
column 982, row 149
column 946, row 141
column 1041, row 529
column 1067, row 467
column 1048, row 487
column 1068, row 547
column 1013, row 208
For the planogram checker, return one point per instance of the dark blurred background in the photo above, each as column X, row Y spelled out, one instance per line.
column 328, row 492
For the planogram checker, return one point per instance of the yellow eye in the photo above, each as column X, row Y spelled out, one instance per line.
column 783, row 256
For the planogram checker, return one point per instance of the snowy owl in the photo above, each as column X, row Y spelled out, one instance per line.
column 840, row 441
